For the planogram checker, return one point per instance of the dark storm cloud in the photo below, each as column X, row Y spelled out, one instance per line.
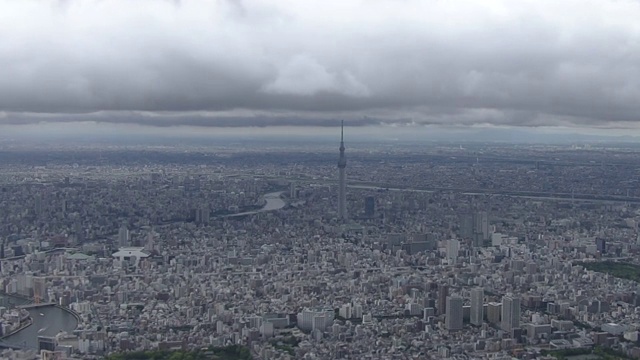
column 259, row 63
column 167, row 120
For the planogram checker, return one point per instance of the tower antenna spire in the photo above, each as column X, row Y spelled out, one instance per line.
column 342, row 189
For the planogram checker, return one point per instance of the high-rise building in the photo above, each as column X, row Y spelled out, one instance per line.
column 203, row 215
column 481, row 224
column 494, row 310
column 123, row 236
column 454, row 314
column 443, row 292
column 150, row 245
column 293, row 191
column 444, row 352
column 477, row 306
column 79, row 232
column 369, row 206
column 453, row 248
column 480, row 228
column 39, row 289
column 312, row 319
column 47, row 343
column 466, row 226
column 475, row 226
column 38, row 205
column 342, row 191
column 510, row 312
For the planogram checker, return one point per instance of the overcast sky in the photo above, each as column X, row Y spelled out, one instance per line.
column 568, row 63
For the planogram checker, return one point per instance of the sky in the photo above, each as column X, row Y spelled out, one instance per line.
column 408, row 64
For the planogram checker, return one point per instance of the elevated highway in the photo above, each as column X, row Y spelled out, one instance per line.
column 550, row 195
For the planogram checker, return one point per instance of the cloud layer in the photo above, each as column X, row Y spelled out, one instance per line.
column 283, row 62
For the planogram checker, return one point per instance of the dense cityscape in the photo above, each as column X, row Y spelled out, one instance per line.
column 440, row 251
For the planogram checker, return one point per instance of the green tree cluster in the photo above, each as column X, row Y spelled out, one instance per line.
column 233, row 352
column 602, row 352
column 618, row 269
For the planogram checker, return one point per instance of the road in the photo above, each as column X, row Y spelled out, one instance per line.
column 522, row 194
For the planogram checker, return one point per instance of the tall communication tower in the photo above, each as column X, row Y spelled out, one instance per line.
column 342, row 192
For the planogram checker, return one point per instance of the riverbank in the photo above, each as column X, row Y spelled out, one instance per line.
column 23, row 325
column 273, row 202
column 70, row 311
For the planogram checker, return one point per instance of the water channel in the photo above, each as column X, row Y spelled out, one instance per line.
column 274, row 202
column 47, row 321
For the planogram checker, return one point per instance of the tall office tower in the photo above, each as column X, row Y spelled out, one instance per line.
column 342, row 192
column 293, row 192
column 204, row 214
column 477, row 306
column 443, row 292
column 453, row 248
column 151, row 244
column 123, row 236
column 466, row 226
column 39, row 289
column 77, row 228
column 38, row 205
column 2, row 252
column 369, row 206
column 480, row 228
column 510, row 312
column 454, row 315
column 493, row 312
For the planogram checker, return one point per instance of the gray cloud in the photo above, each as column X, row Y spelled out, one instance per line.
column 294, row 62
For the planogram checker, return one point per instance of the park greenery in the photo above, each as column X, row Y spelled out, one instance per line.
column 618, row 269
column 233, row 352
column 602, row 353
column 287, row 344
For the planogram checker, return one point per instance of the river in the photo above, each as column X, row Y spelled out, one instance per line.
column 47, row 321
column 274, row 202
